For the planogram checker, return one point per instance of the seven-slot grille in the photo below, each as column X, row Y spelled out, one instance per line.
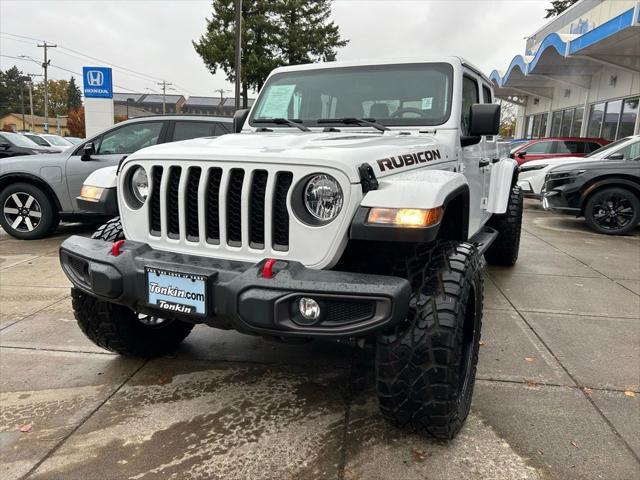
column 223, row 191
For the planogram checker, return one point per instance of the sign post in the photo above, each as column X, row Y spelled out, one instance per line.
column 98, row 99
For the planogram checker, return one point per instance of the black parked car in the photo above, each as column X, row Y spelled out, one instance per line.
column 14, row 144
column 605, row 193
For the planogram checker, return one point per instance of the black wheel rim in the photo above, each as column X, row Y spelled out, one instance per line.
column 612, row 212
column 22, row 212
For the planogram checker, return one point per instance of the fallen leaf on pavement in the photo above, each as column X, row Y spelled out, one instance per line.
column 481, row 343
column 540, row 452
column 26, row 428
column 162, row 380
column 531, row 383
column 587, row 391
column 419, row 454
column 528, row 359
column 629, row 393
column 573, row 443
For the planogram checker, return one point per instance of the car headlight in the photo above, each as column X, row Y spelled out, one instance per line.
column 139, row 184
column 529, row 168
column 323, row 197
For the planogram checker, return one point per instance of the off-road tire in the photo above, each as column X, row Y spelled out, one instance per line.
column 117, row 328
column 504, row 250
column 110, row 231
column 632, row 208
column 48, row 220
column 426, row 366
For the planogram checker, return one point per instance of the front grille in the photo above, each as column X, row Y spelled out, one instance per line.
column 249, row 198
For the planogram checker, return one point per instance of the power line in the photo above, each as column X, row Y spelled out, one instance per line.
column 113, row 65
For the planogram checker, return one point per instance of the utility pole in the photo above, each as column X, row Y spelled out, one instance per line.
column 220, row 108
column 31, row 75
column 45, row 65
column 238, row 50
column 22, row 103
column 164, row 84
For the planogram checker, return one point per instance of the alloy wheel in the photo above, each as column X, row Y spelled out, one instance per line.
column 22, row 212
column 613, row 212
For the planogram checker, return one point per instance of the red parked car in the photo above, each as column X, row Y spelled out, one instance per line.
column 555, row 147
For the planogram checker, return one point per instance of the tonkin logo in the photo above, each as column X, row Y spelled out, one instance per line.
column 95, row 78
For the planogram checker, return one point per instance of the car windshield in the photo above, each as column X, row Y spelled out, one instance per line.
column 404, row 94
column 609, row 148
column 18, row 140
column 58, row 141
column 74, row 140
column 38, row 140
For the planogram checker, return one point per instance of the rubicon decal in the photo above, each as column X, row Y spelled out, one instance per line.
column 408, row 159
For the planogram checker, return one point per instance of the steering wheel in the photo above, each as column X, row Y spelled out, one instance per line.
column 400, row 111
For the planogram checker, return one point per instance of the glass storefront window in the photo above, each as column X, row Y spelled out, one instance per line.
column 629, row 117
column 543, row 126
column 565, row 125
column 536, row 126
column 611, row 118
column 596, row 114
column 576, row 127
column 556, row 120
column 529, row 128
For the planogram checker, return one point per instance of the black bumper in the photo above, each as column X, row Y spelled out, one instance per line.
column 107, row 204
column 237, row 294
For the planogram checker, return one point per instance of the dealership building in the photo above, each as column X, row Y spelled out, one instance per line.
column 579, row 75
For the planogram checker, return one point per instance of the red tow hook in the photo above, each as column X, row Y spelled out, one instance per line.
column 267, row 269
column 115, row 248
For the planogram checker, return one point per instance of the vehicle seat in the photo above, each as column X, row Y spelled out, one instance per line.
column 379, row 110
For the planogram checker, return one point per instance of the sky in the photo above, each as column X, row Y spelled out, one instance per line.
column 150, row 40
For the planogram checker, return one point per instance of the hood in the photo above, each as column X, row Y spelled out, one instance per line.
column 388, row 153
column 596, row 165
column 553, row 161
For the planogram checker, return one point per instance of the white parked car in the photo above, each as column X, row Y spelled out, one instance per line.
column 531, row 174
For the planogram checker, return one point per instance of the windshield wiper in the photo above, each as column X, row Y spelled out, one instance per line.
column 296, row 122
column 369, row 122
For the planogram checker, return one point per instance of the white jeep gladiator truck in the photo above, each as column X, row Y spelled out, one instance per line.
column 355, row 201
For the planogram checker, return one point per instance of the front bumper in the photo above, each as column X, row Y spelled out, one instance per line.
column 106, row 205
column 237, row 294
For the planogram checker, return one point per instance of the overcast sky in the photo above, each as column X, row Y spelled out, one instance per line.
column 154, row 37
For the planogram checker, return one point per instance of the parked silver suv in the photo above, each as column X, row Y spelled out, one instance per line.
column 37, row 191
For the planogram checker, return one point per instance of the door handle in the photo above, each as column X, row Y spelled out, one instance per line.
column 484, row 162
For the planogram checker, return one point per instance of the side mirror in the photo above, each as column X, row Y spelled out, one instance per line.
column 239, row 118
column 522, row 154
column 616, row 156
column 87, row 151
column 484, row 119
column 5, row 145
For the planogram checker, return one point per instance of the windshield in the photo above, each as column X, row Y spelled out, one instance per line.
column 392, row 95
column 74, row 140
column 18, row 140
column 58, row 141
column 39, row 140
column 609, row 148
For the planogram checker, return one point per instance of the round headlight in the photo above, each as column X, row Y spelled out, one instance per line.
column 139, row 184
column 323, row 197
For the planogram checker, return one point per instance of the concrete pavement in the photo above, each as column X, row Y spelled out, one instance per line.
column 557, row 396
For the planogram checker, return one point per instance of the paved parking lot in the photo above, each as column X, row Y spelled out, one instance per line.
column 558, row 395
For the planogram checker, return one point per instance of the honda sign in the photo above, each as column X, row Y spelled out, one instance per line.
column 97, row 82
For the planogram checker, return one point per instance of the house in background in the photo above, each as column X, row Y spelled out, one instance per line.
column 14, row 121
column 146, row 103
column 203, row 106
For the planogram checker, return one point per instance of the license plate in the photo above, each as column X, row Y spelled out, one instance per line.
column 177, row 292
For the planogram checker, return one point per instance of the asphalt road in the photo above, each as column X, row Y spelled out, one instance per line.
column 557, row 396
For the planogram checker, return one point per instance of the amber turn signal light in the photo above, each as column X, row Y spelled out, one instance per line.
column 405, row 217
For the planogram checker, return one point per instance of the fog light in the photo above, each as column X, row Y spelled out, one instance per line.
column 309, row 308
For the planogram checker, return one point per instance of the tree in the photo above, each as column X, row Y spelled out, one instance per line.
column 558, row 6
column 274, row 33
column 74, row 96
column 306, row 34
column 12, row 85
column 75, row 123
column 58, row 90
